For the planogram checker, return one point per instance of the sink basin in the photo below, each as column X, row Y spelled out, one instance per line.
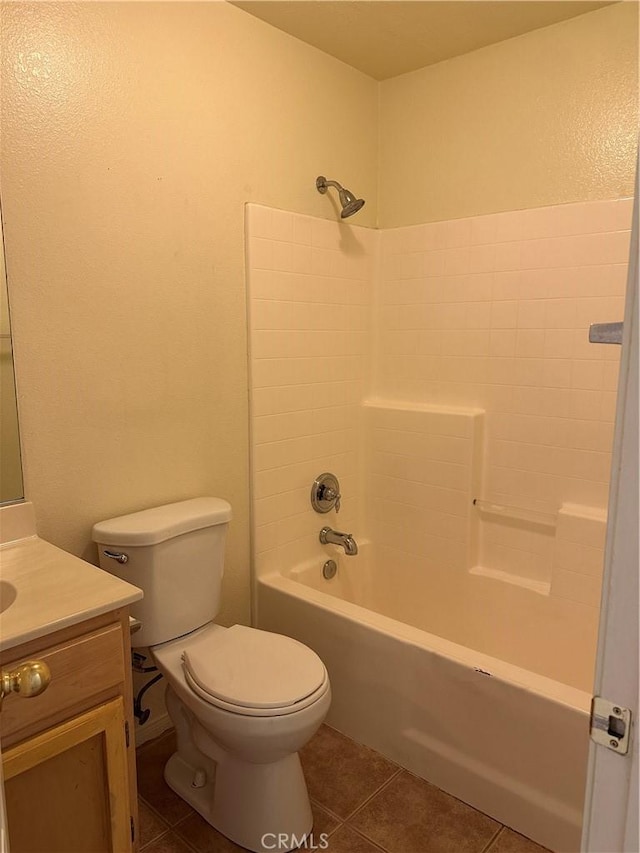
column 8, row 595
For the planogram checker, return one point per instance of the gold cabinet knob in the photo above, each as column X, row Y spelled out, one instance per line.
column 28, row 679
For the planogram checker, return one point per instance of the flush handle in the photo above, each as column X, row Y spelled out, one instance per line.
column 115, row 555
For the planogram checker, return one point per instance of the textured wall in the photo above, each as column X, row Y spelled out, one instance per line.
column 133, row 134
column 547, row 118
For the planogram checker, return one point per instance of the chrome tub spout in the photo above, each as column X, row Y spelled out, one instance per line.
column 345, row 540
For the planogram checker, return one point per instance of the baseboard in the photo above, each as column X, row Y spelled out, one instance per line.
column 152, row 729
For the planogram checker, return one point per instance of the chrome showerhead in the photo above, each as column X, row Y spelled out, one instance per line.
column 350, row 204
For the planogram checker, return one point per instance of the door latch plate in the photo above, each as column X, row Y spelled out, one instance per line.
column 610, row 725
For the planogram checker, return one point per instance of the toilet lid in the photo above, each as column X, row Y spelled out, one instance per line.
column 253, row 669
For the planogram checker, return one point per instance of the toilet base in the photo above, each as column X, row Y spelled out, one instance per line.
column 263, row 807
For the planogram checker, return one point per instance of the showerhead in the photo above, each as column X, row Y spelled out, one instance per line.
column 350, row 204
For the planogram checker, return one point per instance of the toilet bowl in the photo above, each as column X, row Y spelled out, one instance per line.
column 253, row 785
column 243, row 701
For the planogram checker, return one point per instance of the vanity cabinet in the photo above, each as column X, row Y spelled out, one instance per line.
column 68, row 754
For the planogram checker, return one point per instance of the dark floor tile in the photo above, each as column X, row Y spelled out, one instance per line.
column 150, row 826
column 340, row 773
column 322, row 820
column 511, row 842
column 206, row 839
column 168, row 843
column 150, row 761
column 203, row 837
column 411, row 816
column 346, row 840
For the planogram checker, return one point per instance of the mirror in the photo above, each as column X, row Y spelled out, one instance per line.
column 11, row 488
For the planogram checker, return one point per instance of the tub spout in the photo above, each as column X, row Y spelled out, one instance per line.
column 345, row 540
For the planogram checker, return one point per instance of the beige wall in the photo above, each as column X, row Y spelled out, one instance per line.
column 549, row 117
column 133, row 134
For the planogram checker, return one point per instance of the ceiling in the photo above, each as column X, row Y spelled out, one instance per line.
column 384, row 38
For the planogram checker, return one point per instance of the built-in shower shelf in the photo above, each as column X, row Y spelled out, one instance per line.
column 425, row 408
column 518, row 514
column 541, row 587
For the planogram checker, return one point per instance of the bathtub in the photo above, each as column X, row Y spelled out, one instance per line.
column 507, row 740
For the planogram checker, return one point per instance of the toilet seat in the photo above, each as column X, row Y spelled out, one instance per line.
column 251, row 672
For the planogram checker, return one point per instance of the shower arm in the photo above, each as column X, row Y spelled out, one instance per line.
column 322, row 185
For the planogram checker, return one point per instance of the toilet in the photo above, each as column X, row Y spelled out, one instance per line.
column 243, row 701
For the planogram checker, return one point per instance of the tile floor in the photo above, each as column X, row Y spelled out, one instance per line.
column 365, row 803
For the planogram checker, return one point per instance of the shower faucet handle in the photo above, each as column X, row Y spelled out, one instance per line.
column 325, row 493
column 330, row 495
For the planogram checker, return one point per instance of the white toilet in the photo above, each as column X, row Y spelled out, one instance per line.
column 243, row 701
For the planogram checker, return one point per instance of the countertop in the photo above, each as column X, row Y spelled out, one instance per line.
column 53, row 590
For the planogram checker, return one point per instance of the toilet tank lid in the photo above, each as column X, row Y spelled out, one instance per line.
column 150, row 526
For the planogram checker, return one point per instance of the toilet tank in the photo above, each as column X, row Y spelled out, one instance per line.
column 175, row 554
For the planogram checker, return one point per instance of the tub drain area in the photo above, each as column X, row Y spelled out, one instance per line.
column 329, row 570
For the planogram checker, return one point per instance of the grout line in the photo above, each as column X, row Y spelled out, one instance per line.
column 167, row 832
column 154, row 811
column 187, row 843
column 185, row 818
column 184, row 840
column 324, row 808
column 161, row 817
column 367, row 839
column 153, row 840
column 339, row 820
column 155, row 837
column 492, row 841
column 374, row 794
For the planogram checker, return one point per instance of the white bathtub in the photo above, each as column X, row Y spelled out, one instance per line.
column 508, row 741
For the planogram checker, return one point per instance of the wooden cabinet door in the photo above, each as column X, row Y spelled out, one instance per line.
column 67, row 789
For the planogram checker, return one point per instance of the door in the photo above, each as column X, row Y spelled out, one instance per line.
column 611, row 805
column 67, row 789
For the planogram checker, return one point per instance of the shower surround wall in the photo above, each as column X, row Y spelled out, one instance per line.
column 491, row 313
column 310, row 290
column 466, row 341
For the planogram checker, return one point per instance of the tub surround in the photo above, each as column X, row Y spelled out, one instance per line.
column 53, row 589
column 310, row 301
column 486, row 315
column 424, row 469
column 428, row 366
column 493, row 311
